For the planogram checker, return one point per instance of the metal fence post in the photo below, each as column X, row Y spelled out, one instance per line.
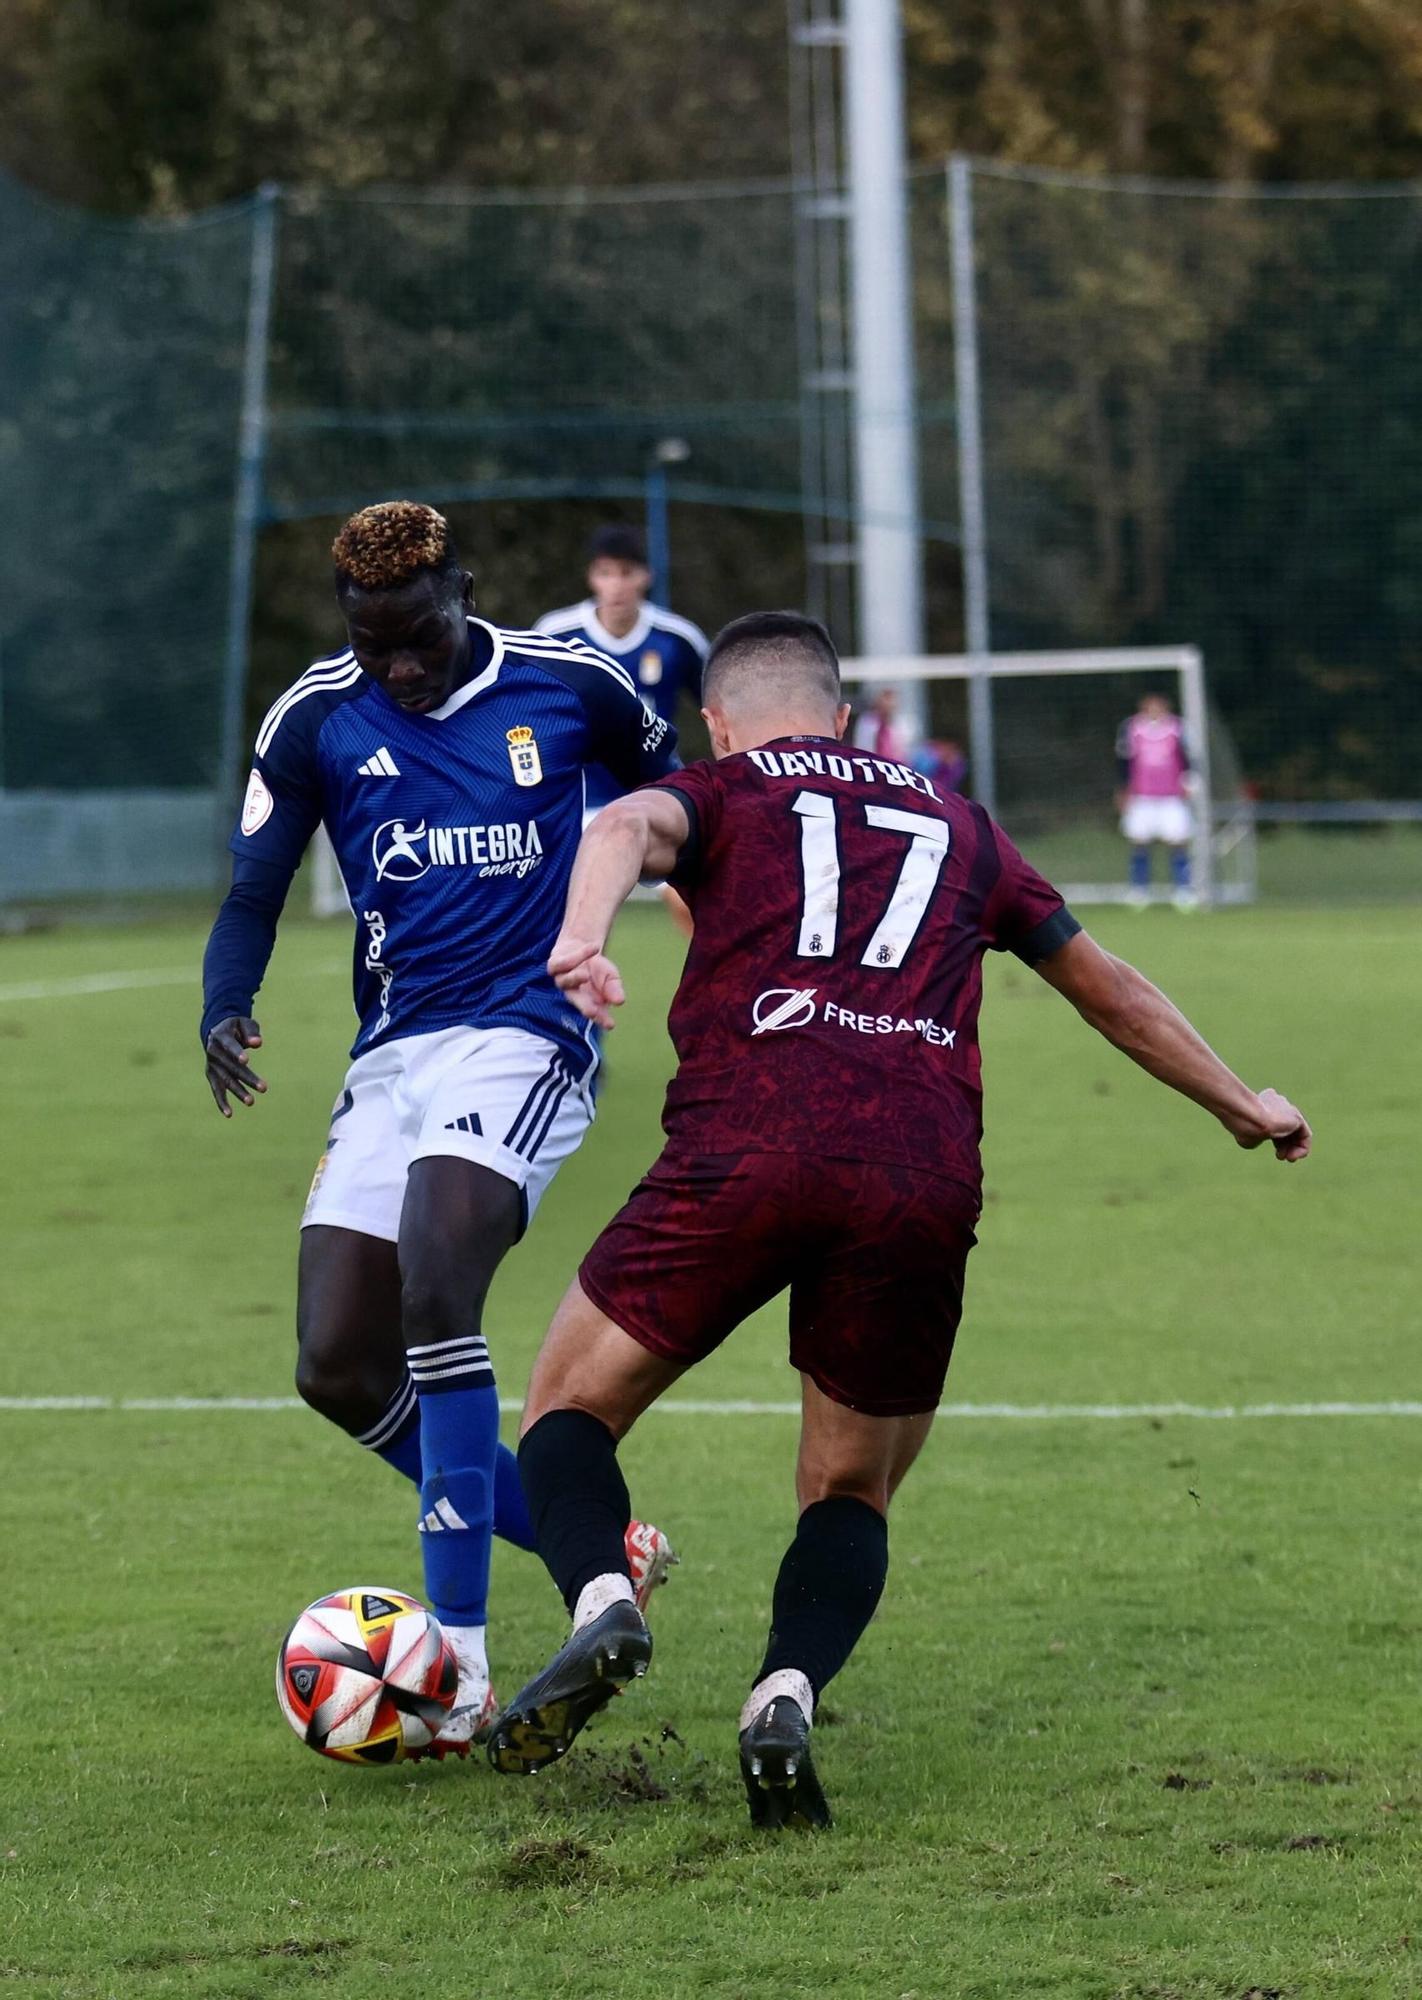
column 972, row 505
column 247, row 497
column 1196, row 717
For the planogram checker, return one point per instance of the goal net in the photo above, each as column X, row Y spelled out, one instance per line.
column 1046, row 729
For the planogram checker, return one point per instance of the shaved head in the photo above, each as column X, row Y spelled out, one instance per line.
column 771, row 674
column 772, row 660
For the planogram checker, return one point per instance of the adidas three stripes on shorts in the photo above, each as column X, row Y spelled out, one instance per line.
column 500, row 1097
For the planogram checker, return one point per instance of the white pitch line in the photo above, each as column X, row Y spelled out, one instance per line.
column 99, row 982
column 129, row 982
column 677, row 1406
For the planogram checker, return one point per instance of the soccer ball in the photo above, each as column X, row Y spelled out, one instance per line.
column 366, row 1676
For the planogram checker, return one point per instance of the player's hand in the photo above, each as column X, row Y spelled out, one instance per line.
column 1278, row 1123
column 589, row 978
column 228, row 1064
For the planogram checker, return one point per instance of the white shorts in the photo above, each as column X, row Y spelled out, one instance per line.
column 500, row 1097
column 1145, row 820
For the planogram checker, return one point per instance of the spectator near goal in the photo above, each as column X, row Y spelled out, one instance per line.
column 880, row 729
column 1153, row 768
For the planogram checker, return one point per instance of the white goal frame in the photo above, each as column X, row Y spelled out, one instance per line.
column 1218, row 830
column 328, row 891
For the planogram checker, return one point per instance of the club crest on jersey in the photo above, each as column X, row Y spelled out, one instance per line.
column 523, row 755
column 649, row 667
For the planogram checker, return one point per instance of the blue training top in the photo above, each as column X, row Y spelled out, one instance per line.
column 454, row 832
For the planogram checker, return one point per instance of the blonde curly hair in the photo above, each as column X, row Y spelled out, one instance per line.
column 383, row 546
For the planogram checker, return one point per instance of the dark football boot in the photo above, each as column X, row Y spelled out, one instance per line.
column 781, row 1786
column 545, row 1716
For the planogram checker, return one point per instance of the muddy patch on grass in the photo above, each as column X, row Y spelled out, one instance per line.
column 564, row 1863
column 648, row 1771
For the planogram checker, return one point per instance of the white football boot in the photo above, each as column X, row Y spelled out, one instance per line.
column 475, row 1703
column 650, row 1556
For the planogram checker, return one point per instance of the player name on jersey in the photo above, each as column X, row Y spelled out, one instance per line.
column 830, row 1000
column 830, row 764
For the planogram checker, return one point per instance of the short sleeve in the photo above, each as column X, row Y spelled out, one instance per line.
column 699, row 790
column 625, row 735
column 1024, row 913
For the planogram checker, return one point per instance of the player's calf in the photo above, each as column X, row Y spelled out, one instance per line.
column 350, row 1364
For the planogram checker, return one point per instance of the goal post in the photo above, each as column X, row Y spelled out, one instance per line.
column 1056, row 718
column 328, row 891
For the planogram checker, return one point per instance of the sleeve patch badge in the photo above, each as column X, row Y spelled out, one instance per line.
column 523, row 755
column 258, row 806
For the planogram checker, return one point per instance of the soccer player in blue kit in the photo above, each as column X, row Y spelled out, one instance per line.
column 661, row 652
column 447, row 760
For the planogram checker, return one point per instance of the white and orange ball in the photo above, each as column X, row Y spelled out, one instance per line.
column 366, row 1676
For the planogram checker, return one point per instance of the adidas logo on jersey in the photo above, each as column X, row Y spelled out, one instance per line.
column 381, row 765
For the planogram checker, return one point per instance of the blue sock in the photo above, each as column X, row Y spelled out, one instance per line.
column 395, row 1435
column 511, row 1517
column 396, row 1439
column 1140, row 867
column 1180, row 867
column 459, row 1448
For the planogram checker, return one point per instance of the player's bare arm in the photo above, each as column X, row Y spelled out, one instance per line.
column 1137, row 1018
column 634, row 839
column 229, row 1065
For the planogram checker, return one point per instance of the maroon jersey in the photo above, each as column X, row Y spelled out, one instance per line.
column 829, row 1004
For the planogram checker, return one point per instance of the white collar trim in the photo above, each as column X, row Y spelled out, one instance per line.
column 600, row 635
column 463, row 695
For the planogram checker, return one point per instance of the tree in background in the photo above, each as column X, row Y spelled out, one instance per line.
column 1171, row 386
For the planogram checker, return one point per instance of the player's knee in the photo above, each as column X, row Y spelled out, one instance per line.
column 829, row 1482
column 340, row 1383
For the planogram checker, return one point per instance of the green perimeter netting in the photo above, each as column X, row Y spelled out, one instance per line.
column 1202, row 419
column 1200, row 415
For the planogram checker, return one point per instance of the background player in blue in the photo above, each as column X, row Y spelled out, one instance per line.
column 446, row 758
column 661, row 652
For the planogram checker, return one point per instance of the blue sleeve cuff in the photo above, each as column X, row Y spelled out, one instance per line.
column 241, row 941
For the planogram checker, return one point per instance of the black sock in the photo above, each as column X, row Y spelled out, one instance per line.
column 577, row 1499
column 828, row 1589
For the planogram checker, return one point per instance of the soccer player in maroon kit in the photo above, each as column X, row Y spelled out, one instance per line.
column 822, row 1134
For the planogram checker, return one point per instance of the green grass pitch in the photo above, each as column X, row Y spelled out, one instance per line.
column 1140, row 1714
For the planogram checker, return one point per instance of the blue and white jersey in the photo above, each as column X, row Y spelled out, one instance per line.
column 662, row 653
column 454, row 831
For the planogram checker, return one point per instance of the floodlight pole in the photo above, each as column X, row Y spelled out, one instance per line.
column 972, row 505
column 247, row 499
column 885, row 408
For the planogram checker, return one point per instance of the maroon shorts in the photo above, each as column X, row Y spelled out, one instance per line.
column 873, row 1256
